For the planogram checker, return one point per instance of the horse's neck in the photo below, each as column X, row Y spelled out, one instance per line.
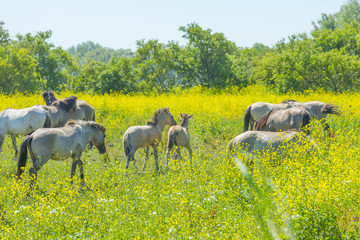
column 185, row 124
column 160, row 125
column 88, row 132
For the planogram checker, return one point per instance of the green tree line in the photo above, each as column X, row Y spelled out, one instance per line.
column 326, row 59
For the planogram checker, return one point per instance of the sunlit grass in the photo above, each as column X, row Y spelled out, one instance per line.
column 309, row 194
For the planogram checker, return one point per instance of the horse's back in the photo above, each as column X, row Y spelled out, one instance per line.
column 141, row 136
column 259, row 109
column 23, row 121
column 56, row 142
column 182, row 135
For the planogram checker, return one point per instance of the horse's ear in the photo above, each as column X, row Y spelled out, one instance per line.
column 191, row 115
column 167, row 109
column 181, row 115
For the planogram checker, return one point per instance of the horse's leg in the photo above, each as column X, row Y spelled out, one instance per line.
column 81, row 168
column 156, row 157
column 129, row 157
column 188, row 146
column 251, row 124
column 13, row 138
column 2, row 138
column 168, row 151
column 146, row 157
column 73, row 169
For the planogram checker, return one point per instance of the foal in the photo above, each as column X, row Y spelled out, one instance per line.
column 179, row 135
column 145, row 136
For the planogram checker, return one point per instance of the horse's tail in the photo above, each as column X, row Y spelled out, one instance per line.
column 247, row 118
column 171, row 140
column 93, row 118
column 263, row 120
column 127, row 146
column 47, row 123
column 306, row 121
column 23, row 155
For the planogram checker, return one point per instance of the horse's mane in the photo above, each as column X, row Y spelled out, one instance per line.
column 93, row 124
column 66, row 104
column 96, row 125
column 288, row 101
column 263, row 120
column 331, row 108
column 155, row 117
column 71, row 122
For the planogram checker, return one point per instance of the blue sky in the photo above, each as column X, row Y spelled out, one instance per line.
column 118, row 24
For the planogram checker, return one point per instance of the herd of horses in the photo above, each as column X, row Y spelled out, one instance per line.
column 63, row 128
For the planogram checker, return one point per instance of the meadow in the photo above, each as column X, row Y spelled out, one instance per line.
column 306, row 195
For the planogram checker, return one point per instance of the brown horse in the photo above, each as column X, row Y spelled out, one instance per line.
column 284, row 119
column 256, row 110
column 60, row 110
column 179, row 135
column 317, row 109
column 83, row 110
column 137, row 137
column 60, row 144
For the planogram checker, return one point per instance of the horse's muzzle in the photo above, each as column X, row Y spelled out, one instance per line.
column 102, row 149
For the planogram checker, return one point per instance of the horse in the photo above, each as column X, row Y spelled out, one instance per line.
column 255, row 111
column 137, row 137
column 316, row 109
column 23, row 121
column 83, row 110
column 179, row 135
column 284, row 119
column 60, row 144
column 60, row 110
column 253, row 143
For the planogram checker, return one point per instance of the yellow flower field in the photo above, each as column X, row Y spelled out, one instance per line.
column 307, row 195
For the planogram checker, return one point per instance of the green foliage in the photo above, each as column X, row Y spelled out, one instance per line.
column 17, row 70
column 90, row 50
column 208, row 57
column 54, row 64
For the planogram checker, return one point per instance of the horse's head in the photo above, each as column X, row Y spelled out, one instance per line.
column 169, row 117
column 99, row 137
column 49, row 97
column 184, row 119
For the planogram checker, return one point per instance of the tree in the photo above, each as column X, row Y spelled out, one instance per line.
column 55, row 66
column 207, row 60
column 17, row 70
column 4, row 35
column 157, row 65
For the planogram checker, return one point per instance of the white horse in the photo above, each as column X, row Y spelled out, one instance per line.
column 21, row 122
column 60, row 144
column 253, row 143
column 145, row 136
column 256, row 110
column 179, row 135
column 317, row 109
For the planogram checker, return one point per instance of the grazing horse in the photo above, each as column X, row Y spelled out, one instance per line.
column 60, row 144
column 137, row 137
column 21, row 122
column 179, row 135
column 317, row 109
column 83, row 110
column 60, row 110
column 255, row 142
column 284, row 119
column 256, row 110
